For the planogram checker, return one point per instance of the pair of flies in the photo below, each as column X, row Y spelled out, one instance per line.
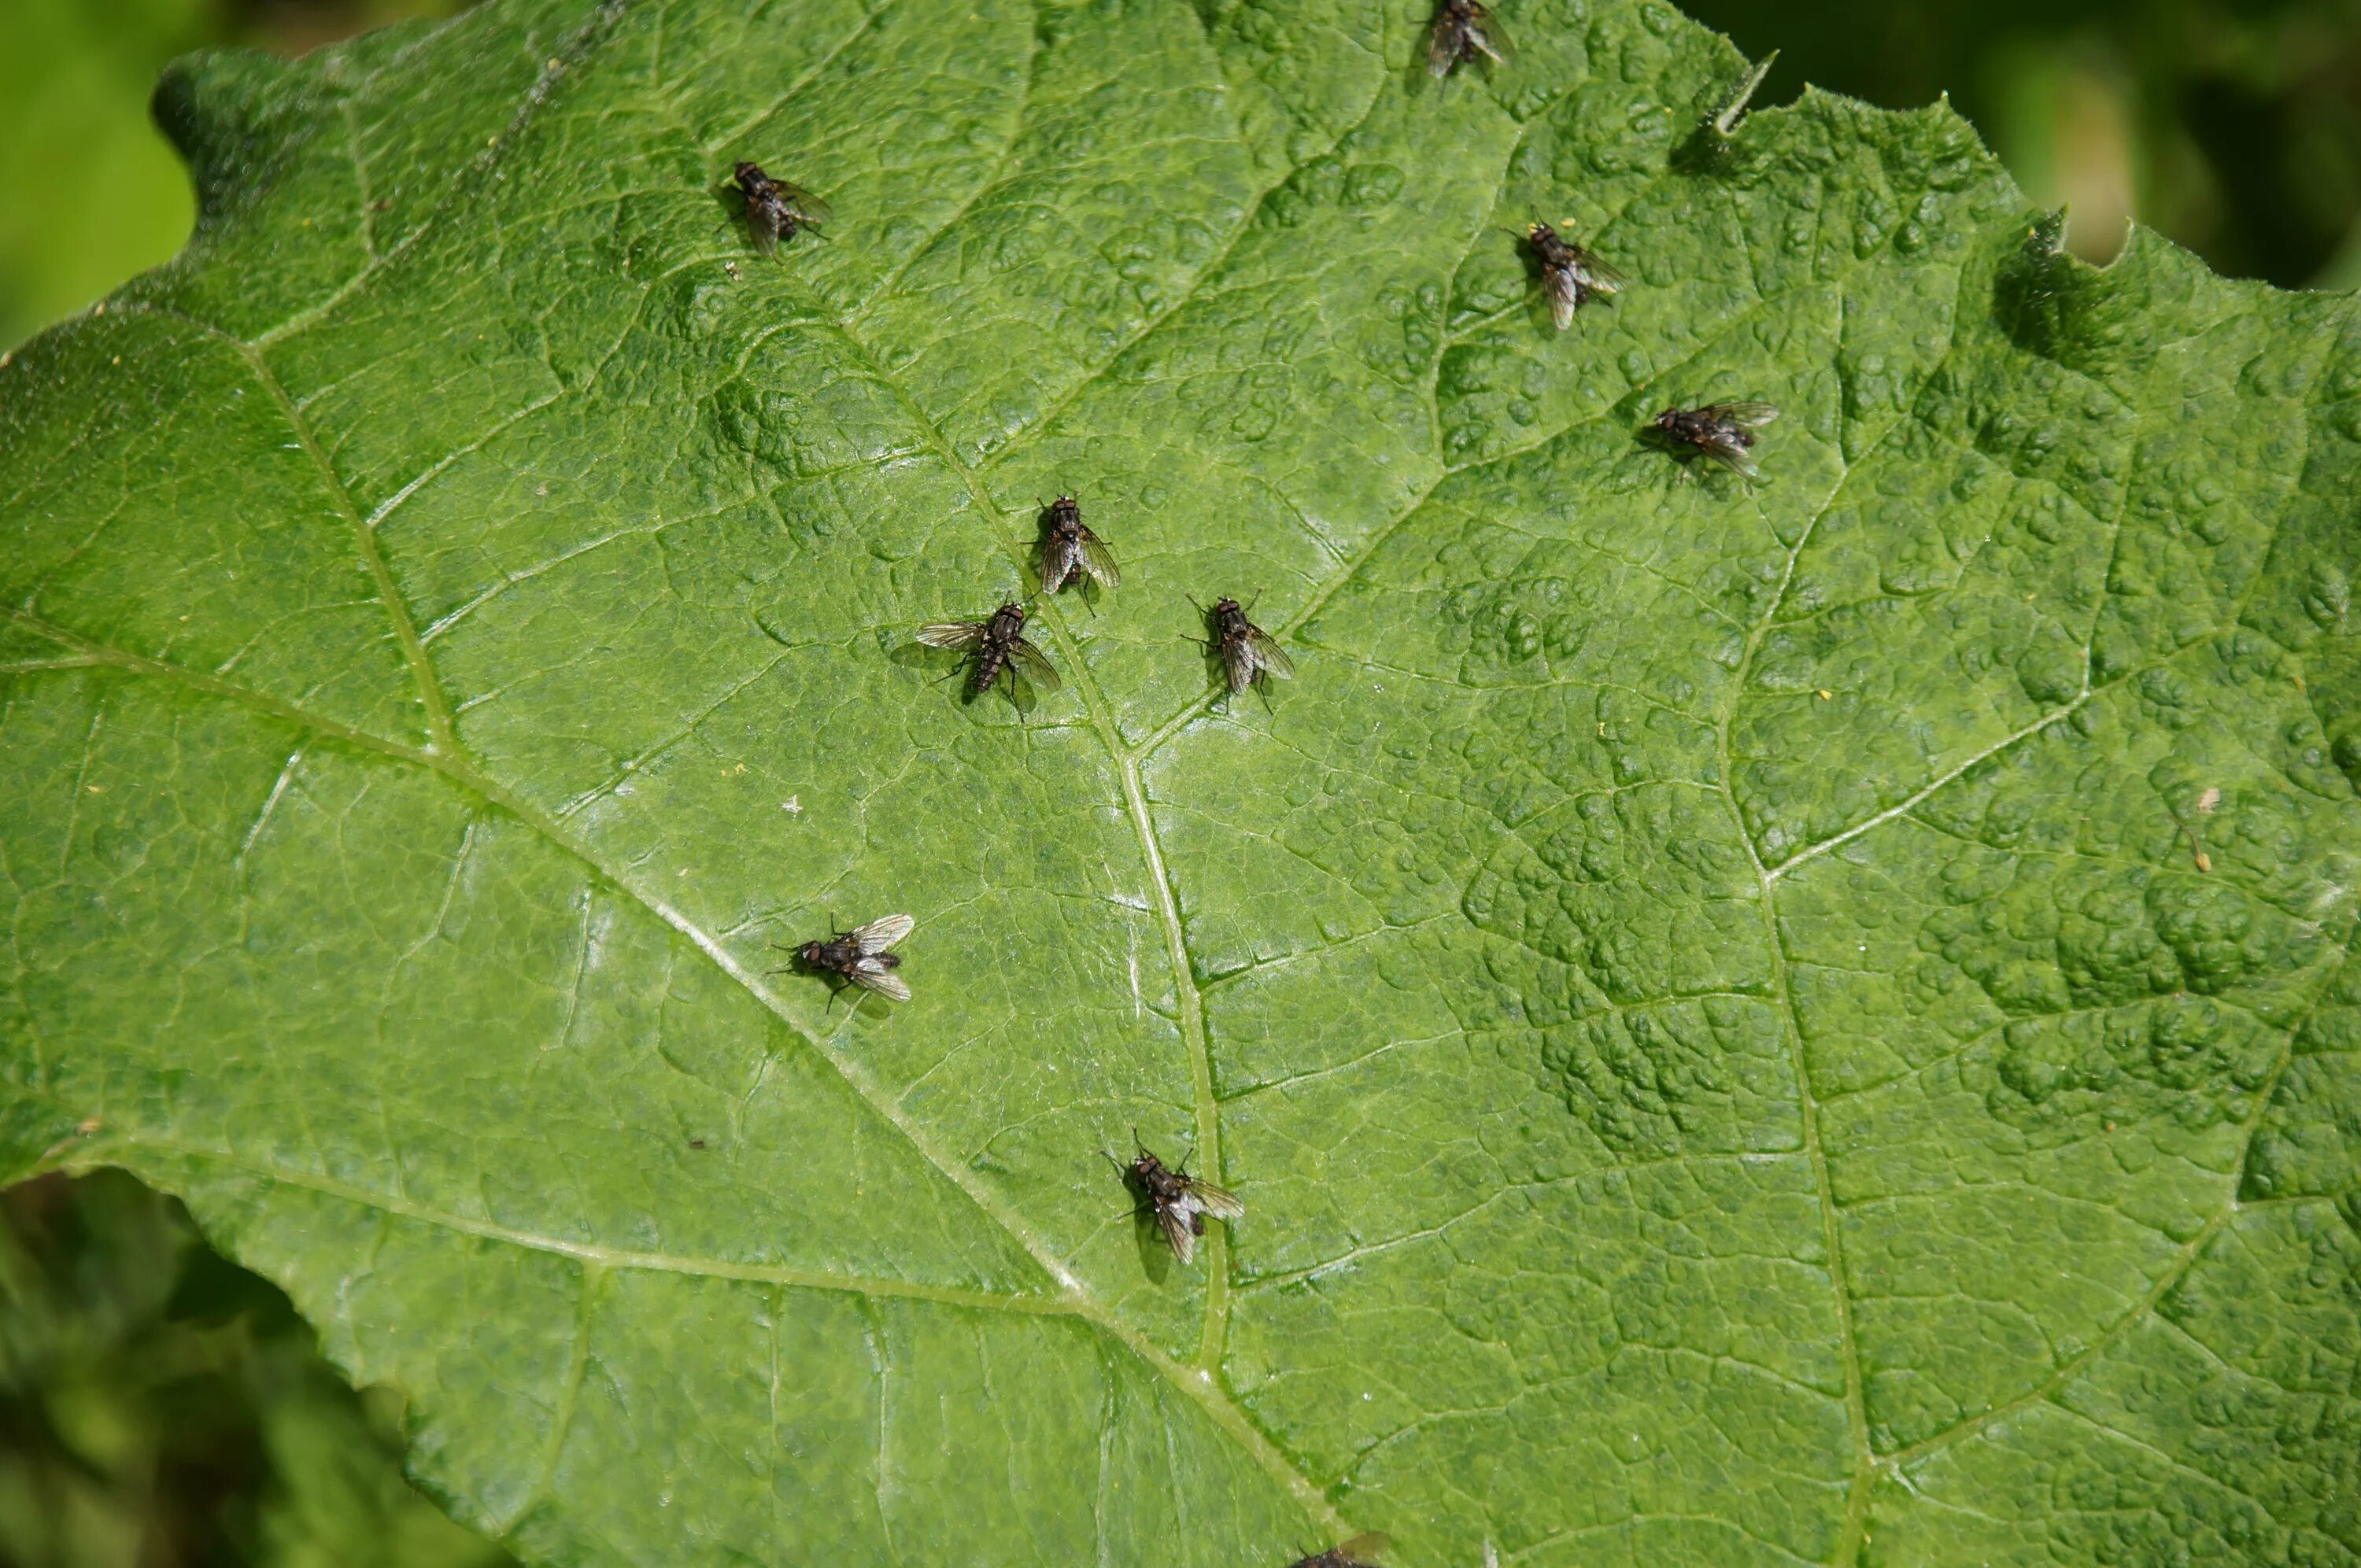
column 999, row 645
column 1070, row 553
column 1723, row 433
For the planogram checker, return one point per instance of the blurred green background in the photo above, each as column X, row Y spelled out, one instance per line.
column 160, row 1408
column 2232, row 125
column 90, row 192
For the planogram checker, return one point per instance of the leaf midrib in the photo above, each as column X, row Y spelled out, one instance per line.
column 1193, row 1381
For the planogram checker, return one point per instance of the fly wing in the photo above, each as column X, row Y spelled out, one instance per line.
column 1442, row 43
column 953, row 633
column 871, row 975
column 882, row 933
column 809, row 207
column 1218, row 1201
column 1596, row 273
column 1738, row 459
column 1751, row 414
column 1173, row 1221
column 1485, row 32
column 1099, row 561
column 1269, row 655
column 1238, row 663
column 1059, row 556
column 763, row 225
column 1030, row 662
column 1363, row 1548
column 1563, row 292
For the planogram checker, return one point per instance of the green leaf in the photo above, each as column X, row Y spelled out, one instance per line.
column 1708, row 994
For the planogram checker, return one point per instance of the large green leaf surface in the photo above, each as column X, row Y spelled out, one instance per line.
column 1805, row 1023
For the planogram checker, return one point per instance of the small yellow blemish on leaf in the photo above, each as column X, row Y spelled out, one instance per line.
column 1826, row 695
column 88, row 1126
column 95, row 789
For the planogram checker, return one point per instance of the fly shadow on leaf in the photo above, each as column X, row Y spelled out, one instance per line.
column 1156, row 1259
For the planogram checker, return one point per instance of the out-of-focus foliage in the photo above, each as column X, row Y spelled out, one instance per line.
column 90, row 192
column 2232, row 125
column 163, row 1409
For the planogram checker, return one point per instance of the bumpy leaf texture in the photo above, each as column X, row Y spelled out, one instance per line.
column 1710, row 993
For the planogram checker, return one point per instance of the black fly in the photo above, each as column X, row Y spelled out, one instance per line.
column 1723, row 432
column 999, row 644
column 1571, row 276
column 1358, row 1553
column 859, row 957
column 1179, row 1201
column 1247, row 653
column 1463, row 31
column 776, row 210
column 1070, row 552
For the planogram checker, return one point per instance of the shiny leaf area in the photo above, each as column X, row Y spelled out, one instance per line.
column 1708, row 992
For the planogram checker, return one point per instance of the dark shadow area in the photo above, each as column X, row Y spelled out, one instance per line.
column 162, row 1407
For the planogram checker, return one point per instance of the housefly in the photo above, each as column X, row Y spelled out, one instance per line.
column 859, row 957
column 1247, row 653
column 1070, row 552
column 1571, row 276
column 1723, row 432
column 1463, row 31
column 776, row 210
column 999, row 644
column 1359, row 1552
column 1179, row 1201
